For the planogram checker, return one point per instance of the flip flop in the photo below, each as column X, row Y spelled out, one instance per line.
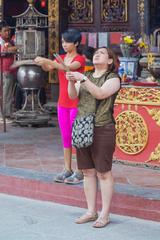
column 101, row 222
column 88, row 217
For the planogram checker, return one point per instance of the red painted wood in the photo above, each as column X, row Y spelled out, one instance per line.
column 153, row 137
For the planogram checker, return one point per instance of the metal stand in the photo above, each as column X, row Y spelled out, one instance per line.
column 32, row 112
column 34, row 97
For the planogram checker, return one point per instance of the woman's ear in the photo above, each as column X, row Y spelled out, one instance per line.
column 110, row 61
column 76, row 44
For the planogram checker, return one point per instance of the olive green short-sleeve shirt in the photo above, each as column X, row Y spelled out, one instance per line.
column 88, row 104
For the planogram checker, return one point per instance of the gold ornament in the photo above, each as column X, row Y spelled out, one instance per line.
column 30, row 2
column 150, row 59
column 155, row 113
column 139, row 96
column 132, row 132
column 155, row 156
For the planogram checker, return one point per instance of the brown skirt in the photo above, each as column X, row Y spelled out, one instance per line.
column 100, row 154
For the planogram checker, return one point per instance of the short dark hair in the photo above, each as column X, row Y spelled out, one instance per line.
column 72, row 35
column 88, row 52
column 3, row 24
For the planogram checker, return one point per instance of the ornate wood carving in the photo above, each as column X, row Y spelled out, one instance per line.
column 139, row 96
column 155, row 114
column 53, row 22
column 141, row 10
column 116, row 28
column 155, row 155
column 132, row 132
column 81, row 11
column 114, row 11
column 53, row 32
column 1, row 10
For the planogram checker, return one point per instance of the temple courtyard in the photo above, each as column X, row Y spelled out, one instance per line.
column 30, row 158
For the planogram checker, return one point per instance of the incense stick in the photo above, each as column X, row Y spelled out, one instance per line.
column 58, row 57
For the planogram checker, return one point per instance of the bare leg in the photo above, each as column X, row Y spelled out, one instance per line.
column 67, row 158
column 78, row 170
column 90, row 189
column 106, row 185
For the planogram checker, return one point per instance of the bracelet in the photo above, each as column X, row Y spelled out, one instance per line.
column 82, row 81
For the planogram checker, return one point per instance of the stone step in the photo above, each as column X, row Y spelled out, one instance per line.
column 132, row 201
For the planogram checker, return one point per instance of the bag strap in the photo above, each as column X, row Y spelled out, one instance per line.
column 99, row 101
column 97, row 104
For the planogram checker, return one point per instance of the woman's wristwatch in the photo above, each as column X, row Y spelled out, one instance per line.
column 84, row 79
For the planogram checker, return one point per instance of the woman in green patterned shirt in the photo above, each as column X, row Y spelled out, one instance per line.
column 102, row 85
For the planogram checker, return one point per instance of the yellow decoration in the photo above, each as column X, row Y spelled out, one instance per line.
column 155, row 156
column 53, row 32
column 155, row 113
column 30, row 2
column 132, row 132
column 150, row 59
column 128, row 40
column 139, row 96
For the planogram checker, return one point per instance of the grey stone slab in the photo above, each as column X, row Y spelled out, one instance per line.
column 146, row 192
column 25, row 219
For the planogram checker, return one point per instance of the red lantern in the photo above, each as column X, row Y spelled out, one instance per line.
column 43, row 3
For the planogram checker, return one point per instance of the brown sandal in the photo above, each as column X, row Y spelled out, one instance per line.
column 88, row 217
column 101, row 222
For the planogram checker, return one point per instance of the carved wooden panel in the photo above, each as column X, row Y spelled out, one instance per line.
column 1, row 10
column 132, row 132
column 81, row 11
column 53, row 32
column 154, row 14
column 141, row 12
column 114, row 11
column 53, row 21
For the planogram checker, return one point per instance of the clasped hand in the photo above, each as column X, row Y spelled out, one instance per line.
column 74, row 76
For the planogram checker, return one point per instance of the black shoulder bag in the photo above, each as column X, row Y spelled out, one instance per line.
column 83, row 130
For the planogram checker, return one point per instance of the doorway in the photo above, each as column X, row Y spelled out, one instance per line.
column 154, row 15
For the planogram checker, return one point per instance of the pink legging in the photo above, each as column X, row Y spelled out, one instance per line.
column 66, row 117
